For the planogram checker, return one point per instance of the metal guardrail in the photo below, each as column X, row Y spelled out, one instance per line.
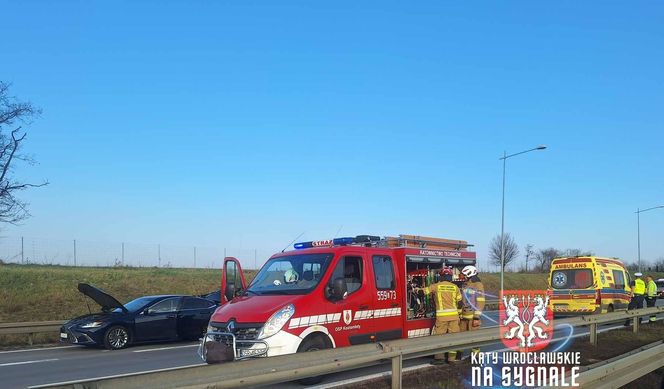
column 30, row 328
column 274, row 370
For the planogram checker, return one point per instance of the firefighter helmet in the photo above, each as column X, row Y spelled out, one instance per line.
column 469, row 271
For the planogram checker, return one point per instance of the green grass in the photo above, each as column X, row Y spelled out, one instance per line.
column 38, row 293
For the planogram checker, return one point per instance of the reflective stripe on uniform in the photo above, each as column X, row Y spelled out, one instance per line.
column 446, row 312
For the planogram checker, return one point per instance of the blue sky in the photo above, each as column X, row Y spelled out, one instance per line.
column 242, row 124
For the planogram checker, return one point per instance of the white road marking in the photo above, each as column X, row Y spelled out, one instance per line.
column 28, row 362
column 36, row 349
column 163, row 348
column 113, row 376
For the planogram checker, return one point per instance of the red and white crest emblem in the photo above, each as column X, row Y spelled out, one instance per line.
column 526, row 320
column 348, row 316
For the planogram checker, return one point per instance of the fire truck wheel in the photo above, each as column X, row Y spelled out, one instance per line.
column 311, row 344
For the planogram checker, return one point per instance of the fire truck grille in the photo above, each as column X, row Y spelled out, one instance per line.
column 242, row 331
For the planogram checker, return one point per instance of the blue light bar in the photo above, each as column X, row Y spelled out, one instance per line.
column 336, row 242
column 343, row 241
column 303, row 245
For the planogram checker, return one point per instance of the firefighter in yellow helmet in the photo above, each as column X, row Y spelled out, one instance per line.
column 473, row 301
column 447, row 297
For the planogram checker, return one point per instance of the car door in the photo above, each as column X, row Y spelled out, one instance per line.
column 387, row 308
column 158, row 321
column 356, row 320
column 193, row 317
column 232, row 279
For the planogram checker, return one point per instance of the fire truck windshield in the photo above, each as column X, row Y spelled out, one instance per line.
column 293, row 274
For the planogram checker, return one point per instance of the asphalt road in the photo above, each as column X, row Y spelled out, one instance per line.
column 33, row 367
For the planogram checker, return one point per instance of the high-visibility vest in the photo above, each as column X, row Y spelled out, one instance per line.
column 652, row 289
column 447, row 297
column 639, row 287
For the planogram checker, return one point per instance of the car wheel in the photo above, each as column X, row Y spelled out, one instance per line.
column 311, row 344
column 116, row 337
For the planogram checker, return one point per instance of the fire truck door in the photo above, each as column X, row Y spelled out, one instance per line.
column 356, row 323
column 387, row 317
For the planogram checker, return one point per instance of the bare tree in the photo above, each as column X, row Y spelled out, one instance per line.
column 545, row 256
column 13, row 114
column 511, row 250
column 529, row 253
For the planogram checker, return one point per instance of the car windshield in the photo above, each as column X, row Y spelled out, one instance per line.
column 137, row 304
column 293, row 274
column 572, row 279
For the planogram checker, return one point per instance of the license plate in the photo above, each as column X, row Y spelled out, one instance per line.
column 63, row 335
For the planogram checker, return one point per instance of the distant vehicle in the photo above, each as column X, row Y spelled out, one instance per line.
column 145, row 319
column 660, row 287
column 588, row 285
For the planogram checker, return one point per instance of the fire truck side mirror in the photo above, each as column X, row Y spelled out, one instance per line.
column 338, row 289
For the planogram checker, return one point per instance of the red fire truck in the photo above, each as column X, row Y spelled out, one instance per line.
column 331, row 293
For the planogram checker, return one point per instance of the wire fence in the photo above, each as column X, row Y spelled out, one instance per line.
column 74, row 252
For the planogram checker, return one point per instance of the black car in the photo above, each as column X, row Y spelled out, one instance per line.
column 145, row 319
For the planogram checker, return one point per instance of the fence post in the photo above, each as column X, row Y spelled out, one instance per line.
column 593, row 334
column 396, row 371
column 30, row 339
column 637, row 321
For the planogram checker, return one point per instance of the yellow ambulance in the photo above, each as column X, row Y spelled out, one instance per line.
column 588, row 285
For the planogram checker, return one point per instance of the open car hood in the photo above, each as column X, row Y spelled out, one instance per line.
column 105, row 300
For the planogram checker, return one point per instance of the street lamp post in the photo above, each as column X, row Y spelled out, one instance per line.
column 502, row 222
column 638, row 230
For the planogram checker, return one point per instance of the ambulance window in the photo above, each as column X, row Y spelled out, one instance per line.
column 619, row 279
column 350, row 269
column 384, row 272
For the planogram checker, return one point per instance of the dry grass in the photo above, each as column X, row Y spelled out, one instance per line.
column 38, row 293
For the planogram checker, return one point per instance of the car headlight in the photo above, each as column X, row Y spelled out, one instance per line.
column 277, row 321
column 92, row 324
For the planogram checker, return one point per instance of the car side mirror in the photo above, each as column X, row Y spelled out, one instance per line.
column 338, row 289
column 229, row 293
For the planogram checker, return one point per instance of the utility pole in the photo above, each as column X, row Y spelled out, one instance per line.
column 255, row 259
column 194, row 257
column 159, row 254
column 22, row 252
column 123, row 253
column 74, row 252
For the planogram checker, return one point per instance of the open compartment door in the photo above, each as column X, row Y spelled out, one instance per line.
column 232, row 279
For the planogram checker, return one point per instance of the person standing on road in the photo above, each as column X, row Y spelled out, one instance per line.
column 638, row 294
column 447, row 297
column 473, row 301
column 651, row 295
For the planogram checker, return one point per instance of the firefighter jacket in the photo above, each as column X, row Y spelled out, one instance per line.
column 639, row 287
column 473, row 300
column 652, row 289
column 447, row 297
